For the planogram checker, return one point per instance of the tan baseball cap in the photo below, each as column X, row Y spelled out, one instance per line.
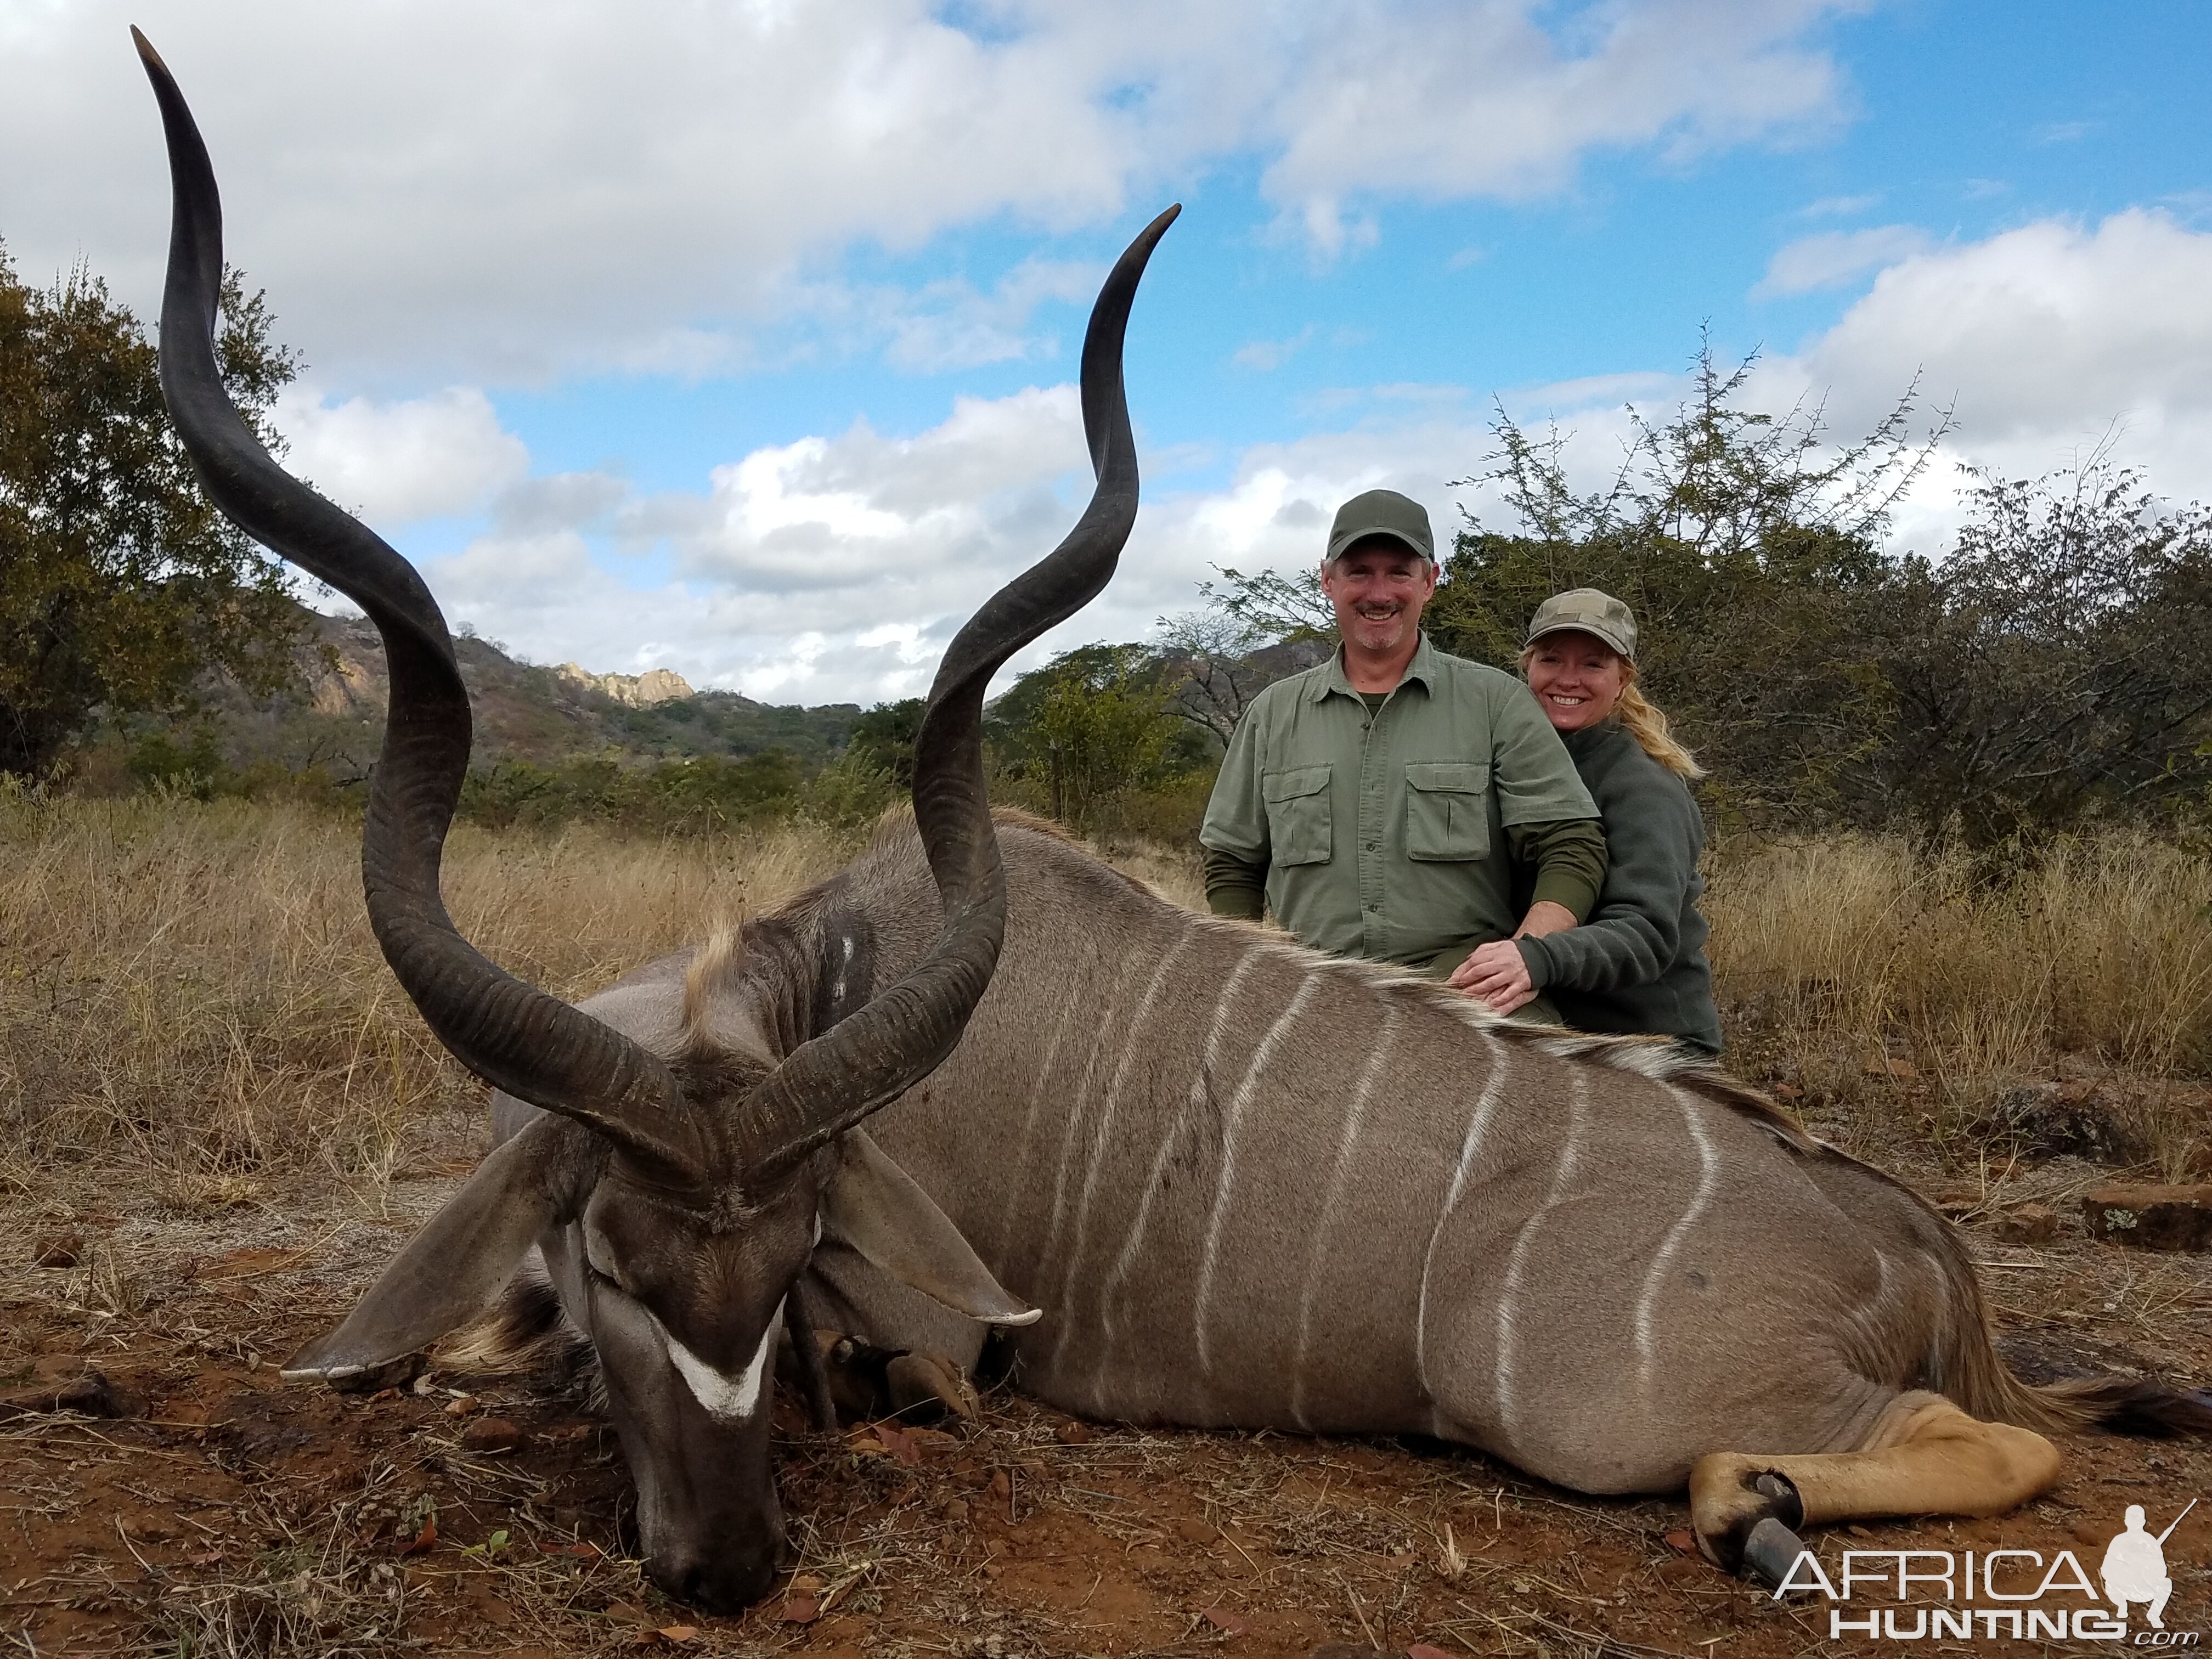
column 1587, row 610
column 1381, row 512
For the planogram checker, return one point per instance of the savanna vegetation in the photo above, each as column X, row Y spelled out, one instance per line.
column 1961, row 797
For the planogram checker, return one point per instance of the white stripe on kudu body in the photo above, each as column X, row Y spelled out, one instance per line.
column 1709, row 1181
column 1103, row 1023
column 1477, row 1125
column 1070, row 994
column 1508, row 1334
column 1224, row 1001
column 1353, row 1120
column 1226, row 1178
column 1102, row 1137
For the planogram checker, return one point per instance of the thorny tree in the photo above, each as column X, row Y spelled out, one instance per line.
column 120, row 585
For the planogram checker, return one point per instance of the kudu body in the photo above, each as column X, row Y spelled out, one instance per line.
column 1251, row 1185
column 676, row 1189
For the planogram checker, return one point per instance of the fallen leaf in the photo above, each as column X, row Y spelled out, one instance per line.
column 898, row 1446
column 491, row 1435
column 245, row 1264
column 422, row 1539
column 1222, row 1619
column 1683, row 1541
column 801, row 1610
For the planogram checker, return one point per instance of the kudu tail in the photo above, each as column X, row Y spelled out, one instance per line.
column 1975, row 1377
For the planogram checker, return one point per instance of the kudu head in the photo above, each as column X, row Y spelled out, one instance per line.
column 697, row 1183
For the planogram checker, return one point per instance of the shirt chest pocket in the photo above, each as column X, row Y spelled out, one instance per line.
column 1447, row 810
column 1298, row 814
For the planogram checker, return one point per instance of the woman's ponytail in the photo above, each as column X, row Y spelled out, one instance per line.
column 1647, row 724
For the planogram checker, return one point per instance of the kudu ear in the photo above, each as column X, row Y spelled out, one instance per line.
column 875, row 1207
column 454, row 1267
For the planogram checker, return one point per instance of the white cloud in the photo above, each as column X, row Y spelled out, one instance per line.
column 501, row 190
column 2049, row 337
column 1479, row 98
column 1838, row 207
column 1834, row 258
column 1267, row 355
column 836, row 569
column 424, row 458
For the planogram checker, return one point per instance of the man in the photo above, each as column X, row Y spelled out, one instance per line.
column 1380, row 803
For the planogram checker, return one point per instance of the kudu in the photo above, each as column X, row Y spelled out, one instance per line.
column 675, row 1187
column 1245, row 1184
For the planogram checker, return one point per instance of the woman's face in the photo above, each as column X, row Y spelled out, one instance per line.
column 1577, row 677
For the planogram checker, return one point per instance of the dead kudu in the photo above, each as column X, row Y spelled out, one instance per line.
column 1246, row 1185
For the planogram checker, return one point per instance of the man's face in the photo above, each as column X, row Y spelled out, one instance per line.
column 1378, row 588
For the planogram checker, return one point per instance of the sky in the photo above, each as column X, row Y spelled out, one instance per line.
column 740, row 339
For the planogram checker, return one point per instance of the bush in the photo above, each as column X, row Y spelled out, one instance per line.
column 688, row 797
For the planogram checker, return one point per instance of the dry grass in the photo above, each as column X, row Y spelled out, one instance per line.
column 1846, row 962
column 191, row 990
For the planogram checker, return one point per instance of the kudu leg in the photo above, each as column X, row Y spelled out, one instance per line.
column 1925, row 1457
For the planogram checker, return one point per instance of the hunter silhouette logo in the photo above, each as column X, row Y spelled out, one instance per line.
column 2134, row 1567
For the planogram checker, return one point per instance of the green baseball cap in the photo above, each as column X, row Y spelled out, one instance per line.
column 1381, row 512
column 1587, row 610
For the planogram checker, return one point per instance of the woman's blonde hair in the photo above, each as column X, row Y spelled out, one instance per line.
column 1645, row 720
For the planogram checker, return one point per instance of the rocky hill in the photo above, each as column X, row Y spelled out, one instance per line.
column 523, row 713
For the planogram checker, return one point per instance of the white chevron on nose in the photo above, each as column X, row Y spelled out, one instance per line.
column 729, row 1399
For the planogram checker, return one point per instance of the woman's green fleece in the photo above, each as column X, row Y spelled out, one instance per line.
column 1638, row 963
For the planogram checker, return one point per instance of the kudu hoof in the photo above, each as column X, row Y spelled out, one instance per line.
column 1759, row 1537
column 922, row 1385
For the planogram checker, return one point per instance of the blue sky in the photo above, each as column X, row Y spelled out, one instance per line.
column 736, row 338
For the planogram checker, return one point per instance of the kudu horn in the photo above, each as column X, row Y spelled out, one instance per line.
column 510, row 1034
column 826, row 1086
column 513, row 1036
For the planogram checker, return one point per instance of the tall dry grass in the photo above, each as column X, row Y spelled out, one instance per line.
column 190, row 991
column 190, row 998
column 1836, row 956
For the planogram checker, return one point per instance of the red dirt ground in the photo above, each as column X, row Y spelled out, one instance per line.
column 234, row 1514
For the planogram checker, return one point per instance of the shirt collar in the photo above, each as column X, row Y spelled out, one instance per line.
column 1423, row 668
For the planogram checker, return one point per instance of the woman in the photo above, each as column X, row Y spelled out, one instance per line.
column 1637, row 963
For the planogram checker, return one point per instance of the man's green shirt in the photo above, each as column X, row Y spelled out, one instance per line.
column 1385, row 835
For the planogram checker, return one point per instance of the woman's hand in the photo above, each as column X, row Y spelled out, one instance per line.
column 1496, row 974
